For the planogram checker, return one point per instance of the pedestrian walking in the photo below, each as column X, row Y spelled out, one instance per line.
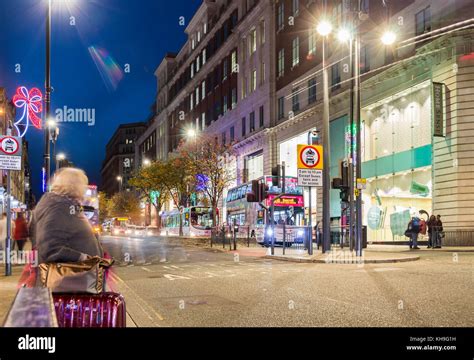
column 20, row 231
column 412, row 232
column 432, row 222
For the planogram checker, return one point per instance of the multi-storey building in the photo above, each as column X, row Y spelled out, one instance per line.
column 250, row 73
column 20, row 185
column 408, row 166
column 118, row 165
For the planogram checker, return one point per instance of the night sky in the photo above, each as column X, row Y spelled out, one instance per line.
column 138, row 33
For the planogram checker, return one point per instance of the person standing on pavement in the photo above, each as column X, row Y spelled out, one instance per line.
column 431, row 230
column 439, row 232
column 413, row 230
column 20, row 231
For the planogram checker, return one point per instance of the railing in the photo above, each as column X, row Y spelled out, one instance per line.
column 227, row 236
column 32, row 307
column 454, row 237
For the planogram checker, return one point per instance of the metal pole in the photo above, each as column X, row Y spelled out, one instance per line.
column 351, row 156
column 8, row 240
column 326, row 157
column 310, row 210
column 358, row 141
column 47, row 97
column 283, row 191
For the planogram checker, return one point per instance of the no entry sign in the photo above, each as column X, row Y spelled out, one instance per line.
column 10, row 153
column 310, row 157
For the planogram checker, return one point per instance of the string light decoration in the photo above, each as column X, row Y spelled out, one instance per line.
column 31, row 103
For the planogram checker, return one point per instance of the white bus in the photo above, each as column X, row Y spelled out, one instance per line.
column 289, row 210
column 197, row 222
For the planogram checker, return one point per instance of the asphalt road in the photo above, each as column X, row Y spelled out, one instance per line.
column 168, row 284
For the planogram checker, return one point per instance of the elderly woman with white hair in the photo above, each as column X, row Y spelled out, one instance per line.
column 60, row 230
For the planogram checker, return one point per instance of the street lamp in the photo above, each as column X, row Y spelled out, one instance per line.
column 146, row 162
column 119, row 179
column 324, row 28
column 388, row 38
column 59, row 157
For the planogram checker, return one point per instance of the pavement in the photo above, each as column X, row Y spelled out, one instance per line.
column 8, row 290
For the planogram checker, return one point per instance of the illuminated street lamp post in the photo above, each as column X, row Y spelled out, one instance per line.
column 120, row 180
column 324, row 28
column 47, row 96
column 59, row 157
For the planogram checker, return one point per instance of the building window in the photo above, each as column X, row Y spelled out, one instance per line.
column 281, row 108
column 262, row 32
column 252, row 41
column 337, row 13
column 197, row 64
column 281, row 15
column 335, row 77
column 204, row 56
column 296, row 51
column 262, row 73
column 244, row 87
column 199, row 36
column 364, row 6
column 389, row 56
column 232, row 137
column 234, row 98
column 253, row 83
column 233, row 58
column 261, row 117
column 225, row 69
column 223, row 138
column 203, row 90
column 281, row 63
column 205, row 28
column 295, row 99
column 197, row 123
column 193, row 43
column 311, row 90
column 423, row 21
column 225, row 103
column 296, row 7
column 364, row 60
column 192, row 70
column 244, row 123
column 252, row 121
column 191, row 101
column 311, row 41
column 197, row 95
column 203, row 120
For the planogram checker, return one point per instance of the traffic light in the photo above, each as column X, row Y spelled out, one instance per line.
column 344, row 194
column 263, row 192
column 276, row 175
column 252, row 196
column 344, row 174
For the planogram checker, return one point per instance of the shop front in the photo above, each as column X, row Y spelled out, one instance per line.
column 396, row 136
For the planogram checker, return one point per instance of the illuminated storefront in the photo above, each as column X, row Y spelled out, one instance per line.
column 397, row 162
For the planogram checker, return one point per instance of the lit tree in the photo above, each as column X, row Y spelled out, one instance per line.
column 209, row 161
column 124, row 204
column 150, row 182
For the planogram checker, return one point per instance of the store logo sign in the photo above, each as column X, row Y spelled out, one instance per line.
column 438, row 111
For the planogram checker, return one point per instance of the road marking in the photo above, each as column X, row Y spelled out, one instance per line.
column 144, row 268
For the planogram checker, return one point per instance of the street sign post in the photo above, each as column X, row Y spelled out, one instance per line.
column 310, row 174
column 10, row 159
